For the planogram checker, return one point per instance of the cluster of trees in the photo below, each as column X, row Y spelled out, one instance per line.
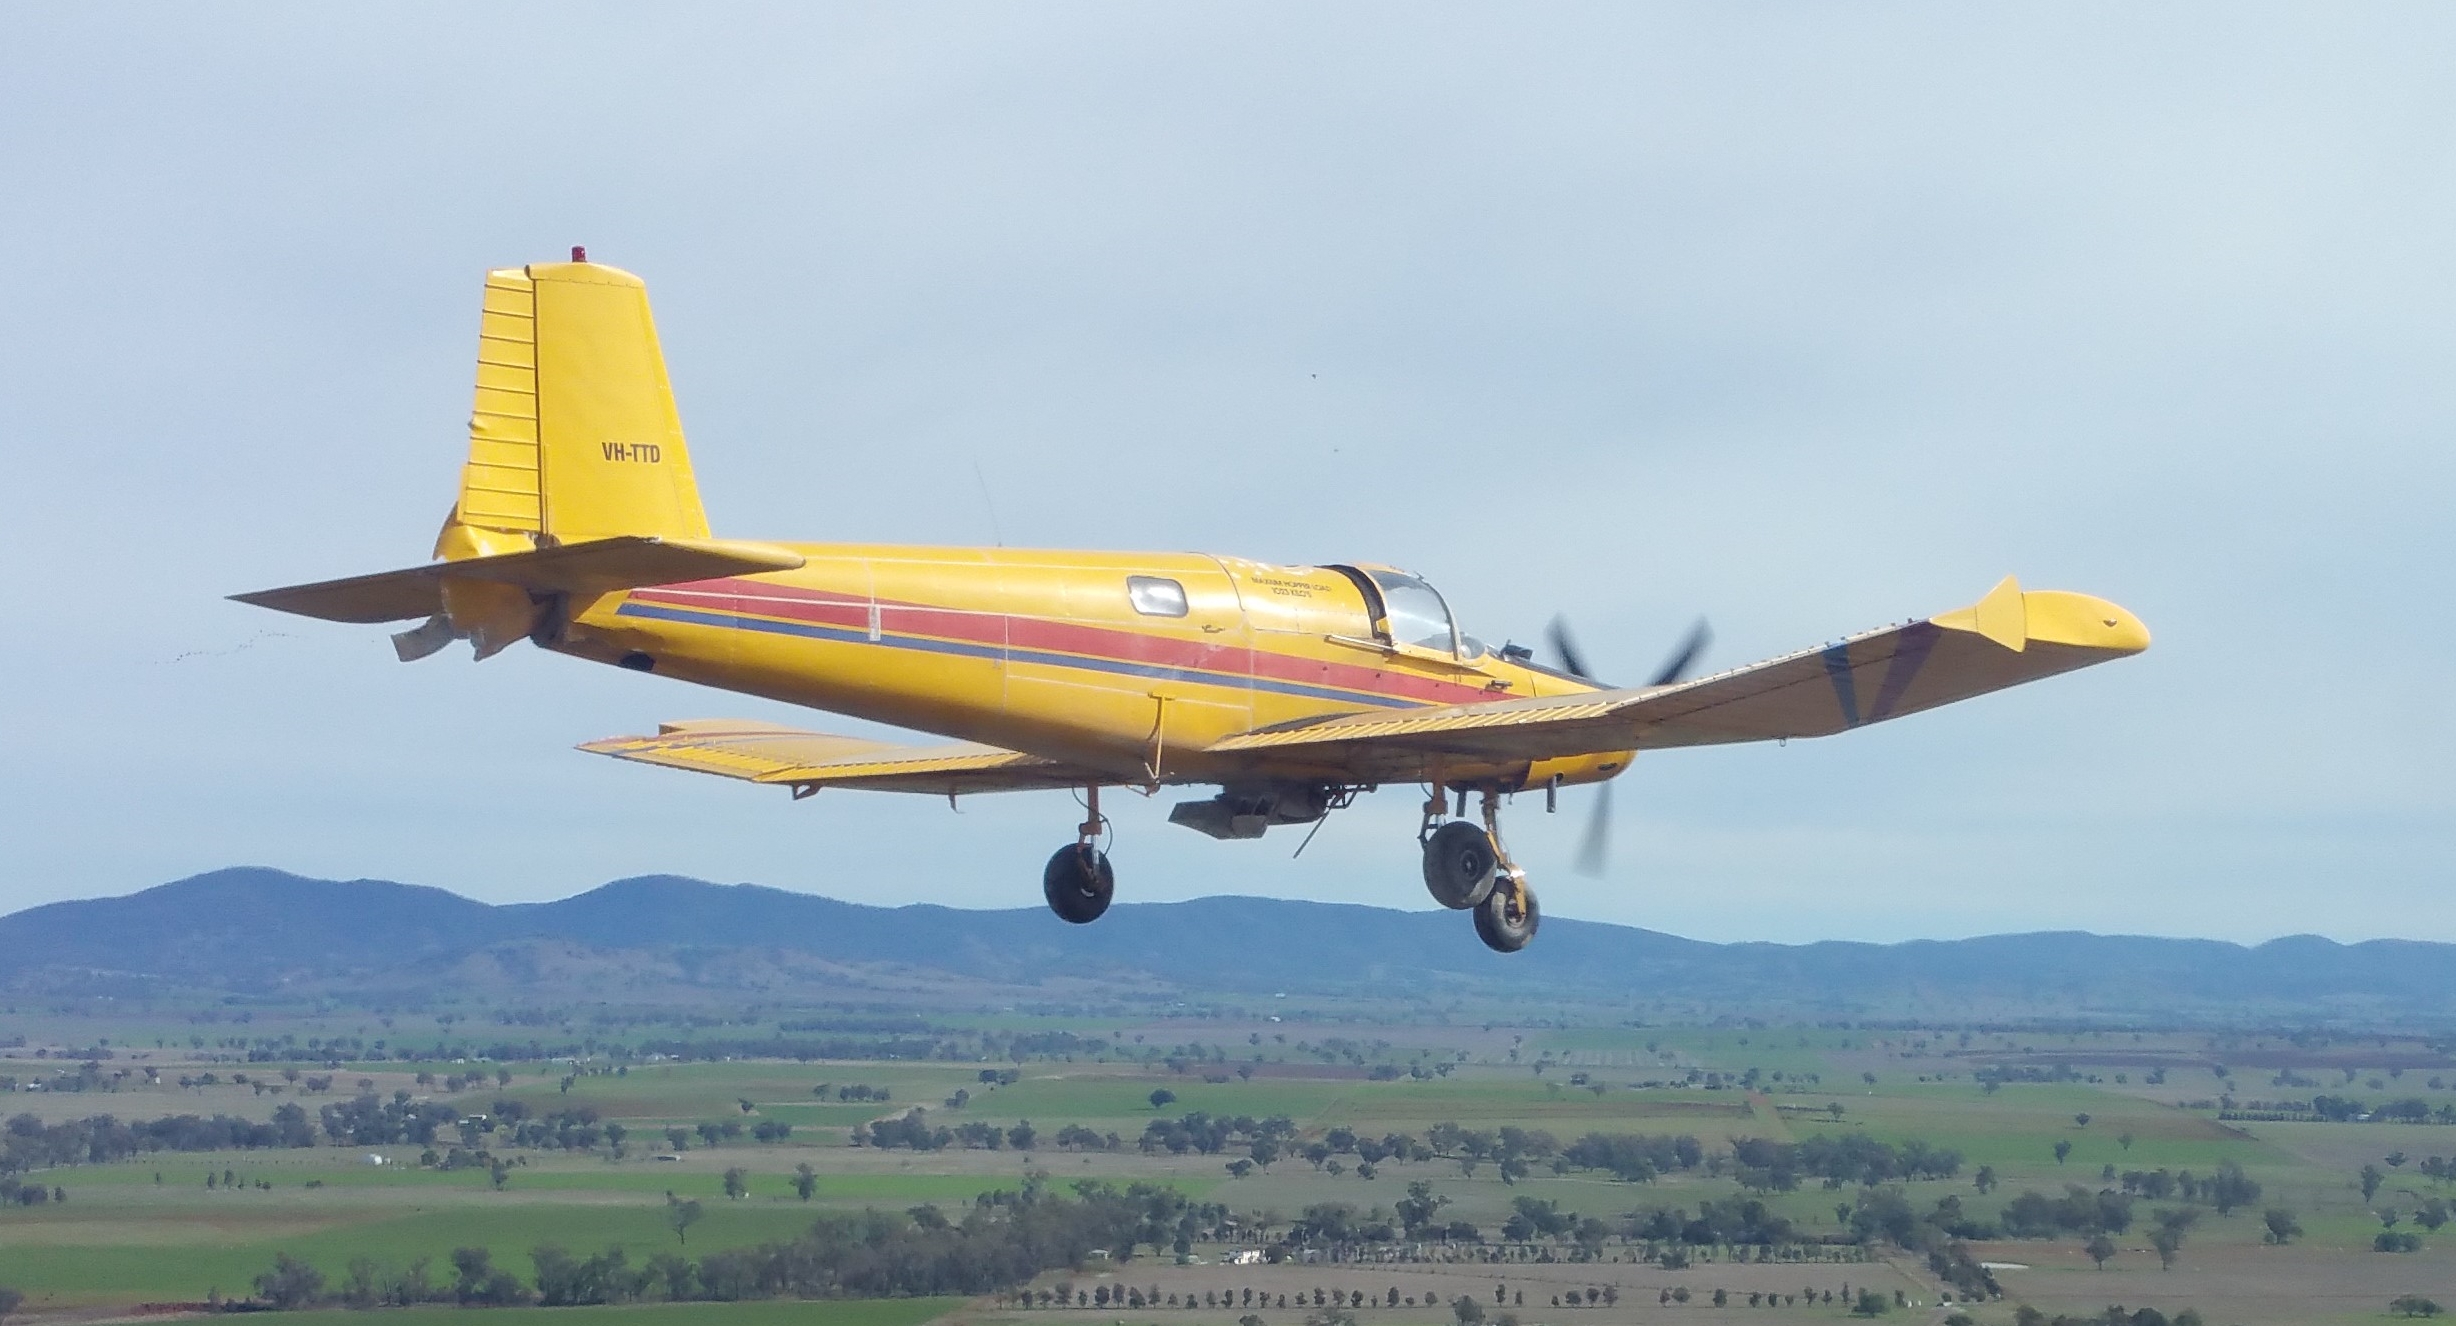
column 854, row 1092
column 1511, row 1149
column 15, row 1192
column 511, row 1122
column 2412, row 1109
column 1265, row 1139
column 1770, row 1166
column 29, row 1143
column 368, row 1120
column 2034, row 1215
column 1004, row 1240
column 2227, row 1190
column 2025, row 1315
column 1744, row 1220
column 1635, row 1157
column 912, row 1130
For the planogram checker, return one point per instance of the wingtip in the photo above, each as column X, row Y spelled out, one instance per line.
column 2015, row 618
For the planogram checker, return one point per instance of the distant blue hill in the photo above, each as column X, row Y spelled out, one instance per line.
column 254, row 929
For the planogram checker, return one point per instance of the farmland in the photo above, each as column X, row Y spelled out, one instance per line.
column 1322, row 1118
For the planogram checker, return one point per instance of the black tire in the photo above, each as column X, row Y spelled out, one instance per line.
column 1459, row 864
column 1499, row 922
column 1078, row 883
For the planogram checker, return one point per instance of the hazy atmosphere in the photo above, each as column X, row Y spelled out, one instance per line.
column 1804, row 319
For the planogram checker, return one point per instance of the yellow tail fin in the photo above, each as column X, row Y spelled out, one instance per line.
column 573, row 435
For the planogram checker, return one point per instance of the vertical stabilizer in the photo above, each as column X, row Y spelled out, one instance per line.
column 573, row 434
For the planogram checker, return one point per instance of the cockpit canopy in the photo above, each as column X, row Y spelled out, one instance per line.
column 1414, row 613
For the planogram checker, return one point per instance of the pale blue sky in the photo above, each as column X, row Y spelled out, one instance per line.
column 1807, row 317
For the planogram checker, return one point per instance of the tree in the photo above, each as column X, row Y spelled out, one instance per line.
column 2232, row 1188
column 2063, row 1148
column 2167, row 1237
column 1162, row 1098
column 1466, row 1310
column 2080, row 1120
column 2124, row 1140
column 737, row 1183
column 1417, row 1208
column 2283, row 1228
column 2101, row 1250
column 11, row 1299
column 682, row 1215
column 290, row 1284
column 1871, row 1304
column 805, row 1181
column 2414, row 1305
column 1985, row 1179
column 2371, row 1177
column 678, row 1137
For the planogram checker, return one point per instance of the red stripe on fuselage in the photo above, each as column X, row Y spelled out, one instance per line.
column 821, row 607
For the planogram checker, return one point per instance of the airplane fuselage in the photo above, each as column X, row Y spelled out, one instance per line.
column 1130, row 662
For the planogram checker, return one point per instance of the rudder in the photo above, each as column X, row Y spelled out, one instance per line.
column 573, row 434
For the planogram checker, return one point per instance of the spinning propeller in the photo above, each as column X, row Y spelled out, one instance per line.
column 1595, row 846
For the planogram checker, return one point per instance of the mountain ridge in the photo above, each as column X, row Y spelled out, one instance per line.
column 257, row 928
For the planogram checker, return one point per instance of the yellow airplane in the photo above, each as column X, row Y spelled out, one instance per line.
column 1290, row 688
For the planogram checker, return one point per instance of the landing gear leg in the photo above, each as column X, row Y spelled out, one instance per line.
column 1078, row 881
column 1459, row 858
column 1505, row 918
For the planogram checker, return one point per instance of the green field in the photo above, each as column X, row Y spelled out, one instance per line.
column 150, row 1231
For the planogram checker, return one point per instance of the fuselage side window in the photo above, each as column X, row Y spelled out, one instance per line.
column 1154, row 596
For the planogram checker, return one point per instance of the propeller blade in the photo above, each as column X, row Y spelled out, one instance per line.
column 1676, row 668
column 1565, row 647
column 1596, row 846
column 423, row 639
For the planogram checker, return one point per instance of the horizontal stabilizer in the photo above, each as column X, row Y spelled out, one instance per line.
column 596, row 567
column 808, row 761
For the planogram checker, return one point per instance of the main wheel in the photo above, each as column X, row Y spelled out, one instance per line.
column 1504, row 922
column 1078, row 883
column 1458, row 865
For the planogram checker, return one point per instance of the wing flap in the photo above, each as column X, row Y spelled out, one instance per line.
column 597, row 566
column 766, row 753
column 2008, row 638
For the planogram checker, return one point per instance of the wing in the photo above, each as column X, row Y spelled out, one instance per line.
column 808, row 761
column 2007, row 638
